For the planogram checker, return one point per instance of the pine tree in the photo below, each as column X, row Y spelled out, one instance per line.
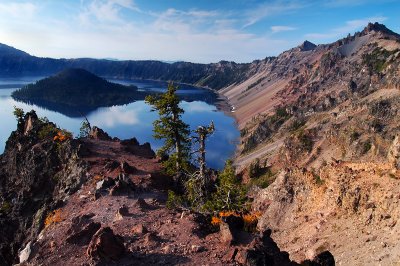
column 230, row 194
column 170, row 127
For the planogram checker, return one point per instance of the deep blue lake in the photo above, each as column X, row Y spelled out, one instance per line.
column 134, row 119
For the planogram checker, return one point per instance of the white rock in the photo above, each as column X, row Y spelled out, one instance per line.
column 25, row 253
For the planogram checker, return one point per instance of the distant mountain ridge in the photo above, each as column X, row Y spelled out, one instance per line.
column 16, row 63
column 6, row 50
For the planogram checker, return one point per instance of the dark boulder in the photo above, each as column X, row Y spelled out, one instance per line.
column 323, row 259
column 264, row 251
column 105, row 245
column 126, row 168
column 84, row 235
column 123, row 185
column 98, row 133
column 105, row 183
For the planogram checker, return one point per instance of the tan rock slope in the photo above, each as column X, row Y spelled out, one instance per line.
column 322, row 121
column 328, row 86
column 350, row 209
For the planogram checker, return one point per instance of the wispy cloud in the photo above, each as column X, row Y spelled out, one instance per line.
column 276, row 29
column 18, row 10
column 349, row 27
column 105, row 11
column 125, row 3
column 198, row 107
column 115, row 116
column 271, row 8
column 179, row 21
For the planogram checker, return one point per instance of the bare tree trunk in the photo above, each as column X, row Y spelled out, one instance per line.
column 202, row 159
column 203, row 132
column 177, row 146
column 178, row 152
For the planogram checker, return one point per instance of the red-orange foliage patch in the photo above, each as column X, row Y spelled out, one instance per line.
column 61, row 136
column 250, row 219
column 53, row 217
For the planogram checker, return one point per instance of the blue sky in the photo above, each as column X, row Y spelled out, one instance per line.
column 198, row 31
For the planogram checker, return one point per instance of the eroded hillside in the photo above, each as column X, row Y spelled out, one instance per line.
column 320, row 138
column 311, row 104
column 351, row 209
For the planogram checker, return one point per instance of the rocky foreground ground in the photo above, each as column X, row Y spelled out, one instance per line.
column 102, row 201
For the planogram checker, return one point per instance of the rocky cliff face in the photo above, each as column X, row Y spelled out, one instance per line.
column 36, row 176
column 322, row 122
column 340, row 100
column 350, row 209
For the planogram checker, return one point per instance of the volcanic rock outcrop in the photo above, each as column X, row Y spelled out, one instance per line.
column 36, row 175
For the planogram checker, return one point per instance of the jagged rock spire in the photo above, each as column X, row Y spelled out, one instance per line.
column 377, row 27
column 307, row 46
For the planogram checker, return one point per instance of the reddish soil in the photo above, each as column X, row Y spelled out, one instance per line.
column 168, row 238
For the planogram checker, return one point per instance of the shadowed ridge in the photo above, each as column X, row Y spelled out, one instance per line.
column 377, row 27
column 307, row 46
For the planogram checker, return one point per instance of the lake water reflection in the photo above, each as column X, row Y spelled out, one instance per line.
column 134, row 119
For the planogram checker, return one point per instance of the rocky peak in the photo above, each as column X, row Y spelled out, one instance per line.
column 307, row 46
column 377, row 27
column 30, row 119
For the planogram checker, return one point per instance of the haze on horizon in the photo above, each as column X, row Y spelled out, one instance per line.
column 196, row 31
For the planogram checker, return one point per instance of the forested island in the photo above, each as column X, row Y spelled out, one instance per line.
column 77, row 88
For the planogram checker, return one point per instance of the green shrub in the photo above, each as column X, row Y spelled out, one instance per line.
column 174, row 201
column 264, row 179
column 255, row 83
column 318, row 180
column 317, row 177
column 250, row 143
column 366, row 147
column 44, row 120
column 243, row 132
column 296, row 124
column 254, row 168
column 230, row 194
column 18, row 113
column 47, row 131
column 280, row 114
column 377, row 59
column 196, row 190
column 305, row 141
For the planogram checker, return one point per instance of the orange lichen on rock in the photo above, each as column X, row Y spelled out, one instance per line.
column 228, row 213
column 250, row 219
column 61, row 136
column 53, row 217
column 215, row 220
